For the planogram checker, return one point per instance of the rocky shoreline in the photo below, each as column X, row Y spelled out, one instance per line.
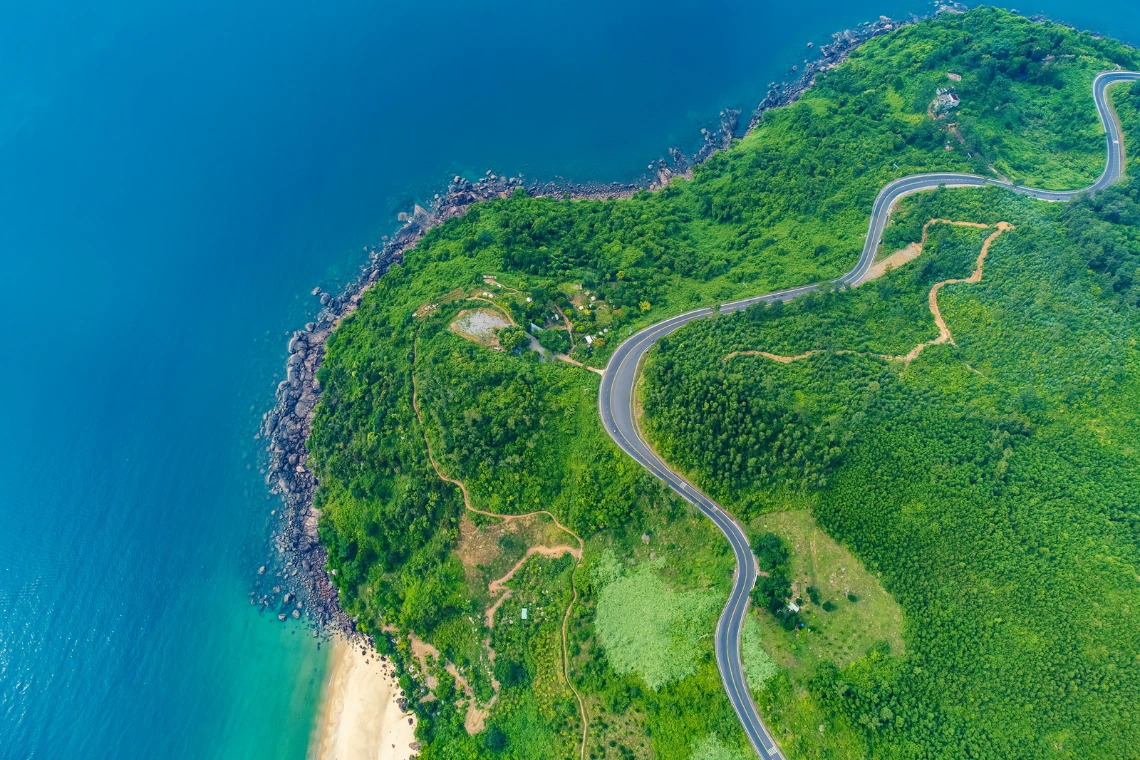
column 294, row 583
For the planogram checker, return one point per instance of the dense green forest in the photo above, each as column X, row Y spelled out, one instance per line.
column 993, row 483
column 451, row 330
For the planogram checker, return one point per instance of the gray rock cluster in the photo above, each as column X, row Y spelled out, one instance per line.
column 831, row 55
column 301, row 559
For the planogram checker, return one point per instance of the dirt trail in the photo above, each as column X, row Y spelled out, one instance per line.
column 566, row 323
column 773, row 357
column 576, row 363
column 476, row 717
column 475, row 720
column 912, row 252
column 944, row 335
column 499, row 585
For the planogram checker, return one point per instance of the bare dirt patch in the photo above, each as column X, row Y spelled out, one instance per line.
column 477, row 547
column 894, row 261
column 479, row 325
column 476, row 718
column 490, row 550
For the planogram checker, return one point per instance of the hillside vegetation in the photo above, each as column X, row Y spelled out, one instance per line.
column 992, row 484
column 418, row 398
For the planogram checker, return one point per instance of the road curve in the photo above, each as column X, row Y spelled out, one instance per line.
column 616, row 406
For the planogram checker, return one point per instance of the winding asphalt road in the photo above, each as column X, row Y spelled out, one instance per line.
column 620, row 378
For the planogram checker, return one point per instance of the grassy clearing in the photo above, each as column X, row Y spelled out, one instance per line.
column 759, row 667
column 711, row 748
column 845, row 633
column 646, row 627
column 780, row 664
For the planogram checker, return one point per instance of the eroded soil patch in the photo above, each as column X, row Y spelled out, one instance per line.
column 479, row 325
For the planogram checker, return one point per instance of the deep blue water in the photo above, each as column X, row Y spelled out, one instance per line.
column 174, row 181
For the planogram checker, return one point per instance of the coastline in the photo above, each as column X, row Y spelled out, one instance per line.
column 361, row 715
column 294, row 582
column 297, row 570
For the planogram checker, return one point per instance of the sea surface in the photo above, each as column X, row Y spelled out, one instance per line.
column 174, row 179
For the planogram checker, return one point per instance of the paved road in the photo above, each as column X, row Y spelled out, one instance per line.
column 616, row 399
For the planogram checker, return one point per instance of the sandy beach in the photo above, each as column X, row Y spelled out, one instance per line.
column 360, row 719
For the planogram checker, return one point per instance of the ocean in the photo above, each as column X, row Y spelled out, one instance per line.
column 175, row 178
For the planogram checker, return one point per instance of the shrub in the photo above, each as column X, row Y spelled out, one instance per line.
column 513, row 338
column 769, row 550
column 556, row 341
column 495, row 740
column 648, row 628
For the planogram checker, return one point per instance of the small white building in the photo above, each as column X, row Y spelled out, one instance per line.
column 947, row 100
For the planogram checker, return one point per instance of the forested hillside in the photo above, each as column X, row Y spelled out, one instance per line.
column 447, row 374
column 993, row 484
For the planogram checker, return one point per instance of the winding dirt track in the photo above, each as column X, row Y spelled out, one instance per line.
column 975, row 277
column 616, row 398
column 944, row 335
column 576, row 552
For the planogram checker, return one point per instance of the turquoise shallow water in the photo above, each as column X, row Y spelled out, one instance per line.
column 174, row 180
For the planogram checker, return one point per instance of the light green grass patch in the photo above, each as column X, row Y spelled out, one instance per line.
column 648, row 628
column 711, row 748
column 758, row 664
column 605, row 569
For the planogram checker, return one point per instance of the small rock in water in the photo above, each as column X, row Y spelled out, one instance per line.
column 296, row 614
column 281, row 617
column 261, row 570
